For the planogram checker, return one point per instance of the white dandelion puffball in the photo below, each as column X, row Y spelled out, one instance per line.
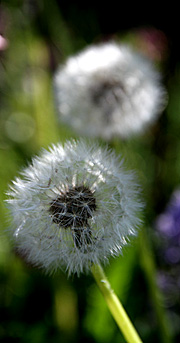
column 75, row 205
column 108, row 90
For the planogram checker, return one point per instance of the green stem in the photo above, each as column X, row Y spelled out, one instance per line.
column 115, row 306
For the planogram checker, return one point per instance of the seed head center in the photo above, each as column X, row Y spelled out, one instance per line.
column 107, row 94
column 107, row 90
column 73, row 208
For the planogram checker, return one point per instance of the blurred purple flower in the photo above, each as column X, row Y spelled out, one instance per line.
column 168, row 275
column 3, row 43
column 152, row 42
column 168, row 225
column 168, row 281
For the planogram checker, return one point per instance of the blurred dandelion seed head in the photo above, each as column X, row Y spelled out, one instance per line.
column 108, row 90
column 74, row 206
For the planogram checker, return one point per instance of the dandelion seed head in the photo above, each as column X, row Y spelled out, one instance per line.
column 108, row 90
column 73, row 206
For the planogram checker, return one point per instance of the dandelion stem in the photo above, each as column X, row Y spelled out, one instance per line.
column 115, row 306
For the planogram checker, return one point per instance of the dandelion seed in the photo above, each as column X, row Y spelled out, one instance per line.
column 75, row 206
column 108, row 90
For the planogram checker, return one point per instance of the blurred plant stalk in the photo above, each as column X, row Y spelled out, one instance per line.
column 149, row 268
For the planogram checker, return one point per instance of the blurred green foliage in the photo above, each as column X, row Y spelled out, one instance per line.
column 38, row 308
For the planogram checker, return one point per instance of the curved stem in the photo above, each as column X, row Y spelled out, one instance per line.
column 115, row 306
